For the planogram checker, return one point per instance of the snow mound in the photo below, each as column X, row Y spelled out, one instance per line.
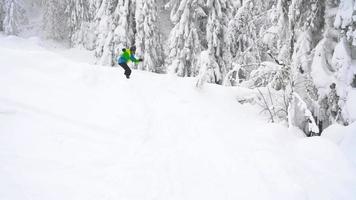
column 351, row 104
column 345, row 137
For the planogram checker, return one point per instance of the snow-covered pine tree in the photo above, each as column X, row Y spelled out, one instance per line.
column 115, row 29
column 105, row 23
column 345, row 52
column 331, row 68
column 318, row 63
column 282, row 50
column 289, row 37
column 80, row 16
column 186, row 38
column 219, row 14
column 298, row 28
column 2, row 14
column 147, row 38
column 56, row 20
column 208, row 68
column 343, row 76
column 300, row 116
column 306, row 19
column 124, row 33
column 14, row 18
column 246, row 34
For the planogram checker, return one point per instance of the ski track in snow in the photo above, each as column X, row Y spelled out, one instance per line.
column 70, row 130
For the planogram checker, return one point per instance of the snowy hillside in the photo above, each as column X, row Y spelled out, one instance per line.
column 72, row 130
column 299, row 55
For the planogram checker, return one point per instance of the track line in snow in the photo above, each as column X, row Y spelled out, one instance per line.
column 37, row 110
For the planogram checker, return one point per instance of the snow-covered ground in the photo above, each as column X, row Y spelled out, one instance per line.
column 70, row 130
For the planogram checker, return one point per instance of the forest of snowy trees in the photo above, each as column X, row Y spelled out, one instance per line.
column 298, row 55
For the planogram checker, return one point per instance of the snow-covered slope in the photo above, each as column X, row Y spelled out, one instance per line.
column 71, row 130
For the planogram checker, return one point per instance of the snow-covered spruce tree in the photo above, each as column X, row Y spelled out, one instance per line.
column 115, row 29
column 147, row 38
column 14, row 17
column 2, row 14
column 298, row 28
column 290, row 42
column 56, row 20
column 289, row 36
column 320, row 68
column 81, row 14
column 300, row 116
column 105, row 26
column 186, row 38
column 219, row 13
column 331, row 67
column 249, row 35
column 253, row 41
column 208, row 68
column 342, row 79
column 124, row 33
column 246, row 30
column 306, row 19
column 344, row 53
column 105, row 23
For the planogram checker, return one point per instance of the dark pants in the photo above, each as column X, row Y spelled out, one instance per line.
column 126, row 68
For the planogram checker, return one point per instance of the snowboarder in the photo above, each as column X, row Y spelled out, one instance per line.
column 127, row 56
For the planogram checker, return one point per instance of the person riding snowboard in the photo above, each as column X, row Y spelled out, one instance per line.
column 127, row 56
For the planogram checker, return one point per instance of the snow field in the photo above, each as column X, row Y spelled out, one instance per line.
column 72, row 130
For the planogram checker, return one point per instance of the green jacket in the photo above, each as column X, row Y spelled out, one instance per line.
column 126, row 57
